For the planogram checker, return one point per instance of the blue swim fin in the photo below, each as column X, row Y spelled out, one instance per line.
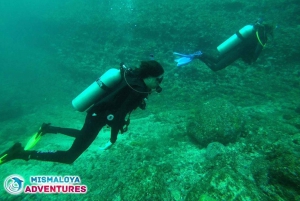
column 186, row 58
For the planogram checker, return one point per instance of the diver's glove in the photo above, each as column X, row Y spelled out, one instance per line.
column 186, row 58
column 107, row 146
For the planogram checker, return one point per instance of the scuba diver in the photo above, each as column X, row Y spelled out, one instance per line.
column 131, row 86
column 247, row 44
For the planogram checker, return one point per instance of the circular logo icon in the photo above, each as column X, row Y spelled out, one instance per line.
column 14, row 184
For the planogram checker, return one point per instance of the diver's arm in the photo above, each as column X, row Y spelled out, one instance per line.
column 131, row 102
column 113, row 138
column 257, row 52
column 113, row 134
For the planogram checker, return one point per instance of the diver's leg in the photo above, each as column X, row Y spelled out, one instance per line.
column 227, row 59
column 86, row 136
column 210, row 61
column 66, row 131
column 223, row 61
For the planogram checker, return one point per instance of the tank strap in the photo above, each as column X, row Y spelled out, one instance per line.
column 258, row 38
column 239, row 35
column 102, row 85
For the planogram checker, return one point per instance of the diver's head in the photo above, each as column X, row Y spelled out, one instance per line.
column 153, row 83
column 152, row 74
column 268, row 27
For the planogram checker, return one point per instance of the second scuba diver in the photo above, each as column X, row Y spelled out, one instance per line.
column 247, row 44
column 129, row 93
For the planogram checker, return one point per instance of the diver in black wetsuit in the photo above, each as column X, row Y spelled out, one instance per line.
column 135, row 86
column 246, row 44
column 248, row 50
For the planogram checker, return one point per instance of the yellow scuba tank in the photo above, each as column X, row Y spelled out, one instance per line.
column 97, row 90
column 235, row 39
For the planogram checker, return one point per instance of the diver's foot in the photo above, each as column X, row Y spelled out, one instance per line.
column 37, row 136
column 15, row 152
column 43, row 129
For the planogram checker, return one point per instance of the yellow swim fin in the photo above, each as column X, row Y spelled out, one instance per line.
column 33, row 140
column 2, row 158
column 11, row 154
column 36, row 137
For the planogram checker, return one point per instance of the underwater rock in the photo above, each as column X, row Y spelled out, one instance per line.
column 225, row 184
column 285, row 169
column 296, row 139
column 146, row 183
column 297, row 110
column 260, row 171
column 216, row 121
column 295, row 122
column 214, row 149
column 206, row 197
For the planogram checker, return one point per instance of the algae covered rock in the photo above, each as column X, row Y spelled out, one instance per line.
column 216, row 121
column 146, row 183
column 260, row 171
column 214, row 149
column 225, row 184
column 285, row 169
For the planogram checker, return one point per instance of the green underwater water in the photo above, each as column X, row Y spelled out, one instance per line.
column 51, row 50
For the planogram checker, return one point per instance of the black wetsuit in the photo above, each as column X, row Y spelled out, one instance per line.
column 119, row 102
column 249, row 49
